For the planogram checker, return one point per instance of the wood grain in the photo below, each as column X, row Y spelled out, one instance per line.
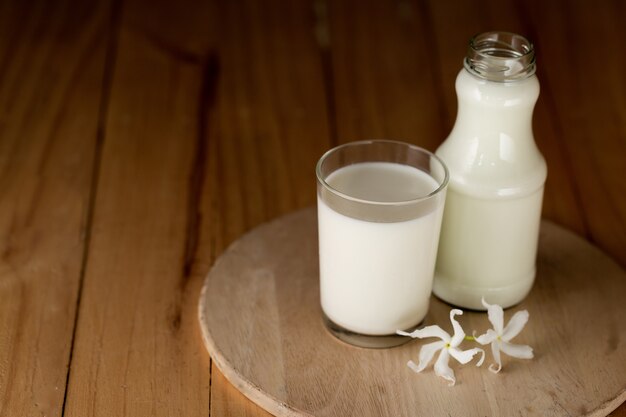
column 52, row 60
column 385, row 74
column 268, row 337
column 589, row 103
column 137, row 350
column 270, row 129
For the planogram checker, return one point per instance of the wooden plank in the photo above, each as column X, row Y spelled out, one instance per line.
column 589, row 106
column 385, row 77
column 227, row 401
column 138, row 350
column 52, row 61
column 270, row 130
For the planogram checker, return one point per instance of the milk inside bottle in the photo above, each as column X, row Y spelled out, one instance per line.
column 491, row 221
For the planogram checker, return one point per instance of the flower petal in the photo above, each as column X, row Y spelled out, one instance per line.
column 517, row 351
column 464, row 356
column 485, row 339
column 459, row 334
column 482, row 358
column 495, row 349
column 426, row 354
column 413, row 366
column 428, row 331
column 496, row 316
column 442, row 369
column 515, row 325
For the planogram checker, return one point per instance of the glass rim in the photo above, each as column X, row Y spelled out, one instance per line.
column 475, row 41
column 441, row 184
column 482, row 62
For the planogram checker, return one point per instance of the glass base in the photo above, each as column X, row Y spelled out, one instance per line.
column 366, row 341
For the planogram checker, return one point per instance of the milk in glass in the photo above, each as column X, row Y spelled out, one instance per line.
column 376, row 276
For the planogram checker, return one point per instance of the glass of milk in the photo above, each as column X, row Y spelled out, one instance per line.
column 380, row 205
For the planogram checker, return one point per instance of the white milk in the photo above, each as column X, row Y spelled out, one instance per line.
column 376, row 278
column 493, row 207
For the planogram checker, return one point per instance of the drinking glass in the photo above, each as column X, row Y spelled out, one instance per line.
column 380, row 205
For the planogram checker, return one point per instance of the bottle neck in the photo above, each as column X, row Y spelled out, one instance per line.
column 491, row 152
column 486, row 107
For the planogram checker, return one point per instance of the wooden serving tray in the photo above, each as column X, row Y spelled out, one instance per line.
column 262, row 325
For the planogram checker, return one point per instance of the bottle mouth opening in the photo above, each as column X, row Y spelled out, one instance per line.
column 500, row 56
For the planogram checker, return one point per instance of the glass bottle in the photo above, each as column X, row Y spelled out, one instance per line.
column 491, row 221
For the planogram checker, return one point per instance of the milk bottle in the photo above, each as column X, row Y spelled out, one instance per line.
column 490, row 228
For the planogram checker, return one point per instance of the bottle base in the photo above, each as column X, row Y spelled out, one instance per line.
column 470, row 297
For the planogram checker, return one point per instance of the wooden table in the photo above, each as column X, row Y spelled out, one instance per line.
column 138, row 139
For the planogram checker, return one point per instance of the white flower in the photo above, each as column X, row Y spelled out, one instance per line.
column 448, row 346
column 500, row 337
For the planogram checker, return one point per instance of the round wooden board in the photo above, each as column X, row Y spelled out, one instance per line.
column 262, row 324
